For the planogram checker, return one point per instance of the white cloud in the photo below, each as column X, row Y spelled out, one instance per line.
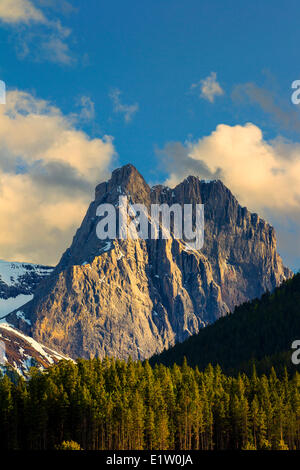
column 263, row 175
column 48, row 42
column 209, row 87
column 48, row 170
column 57, row 50
column 128, row 111
column 87, row 108
column 20, row 11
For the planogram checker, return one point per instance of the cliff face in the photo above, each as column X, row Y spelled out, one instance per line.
column 136, row 297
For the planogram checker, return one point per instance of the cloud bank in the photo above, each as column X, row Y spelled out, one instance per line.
column 20, row 11
column 36, row 35
column 48, row 170
column 263, row 175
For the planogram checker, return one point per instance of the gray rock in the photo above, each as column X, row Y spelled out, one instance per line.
column 137, row 297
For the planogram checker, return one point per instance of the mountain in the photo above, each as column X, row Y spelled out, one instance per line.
column 259, row 332
column 18, row 282
column 19, row 352
column 137, row 297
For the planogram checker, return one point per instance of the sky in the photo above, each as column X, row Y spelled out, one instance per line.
column 173, row 87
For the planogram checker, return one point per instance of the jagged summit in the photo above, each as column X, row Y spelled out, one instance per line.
column 137, row 297
column 126, row 173
column 125, row 179
column 129, row 180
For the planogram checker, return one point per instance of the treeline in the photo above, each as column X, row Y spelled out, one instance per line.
column 259, row 332
column 116, row 405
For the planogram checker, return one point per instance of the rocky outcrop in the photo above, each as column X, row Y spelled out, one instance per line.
column 137, row 297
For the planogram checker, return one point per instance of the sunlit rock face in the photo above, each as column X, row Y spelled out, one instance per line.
column 136, row 297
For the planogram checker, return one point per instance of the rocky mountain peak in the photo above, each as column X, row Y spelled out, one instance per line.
column 124, row 180
column 127, row 175
column 137, row 297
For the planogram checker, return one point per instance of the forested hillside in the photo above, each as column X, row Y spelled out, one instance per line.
column 261, row 332
column 118, row 405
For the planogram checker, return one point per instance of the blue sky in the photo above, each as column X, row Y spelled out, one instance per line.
column 153, row 52
column 135, row 70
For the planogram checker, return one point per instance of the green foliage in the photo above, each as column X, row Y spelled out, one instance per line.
column 259, row 332
column 281, row 445
column 115, row 405
column 68, row 445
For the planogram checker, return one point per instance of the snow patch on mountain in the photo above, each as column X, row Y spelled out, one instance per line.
column 18, row 282
column 12, row 272
column 8, row 305
column 20, row 352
